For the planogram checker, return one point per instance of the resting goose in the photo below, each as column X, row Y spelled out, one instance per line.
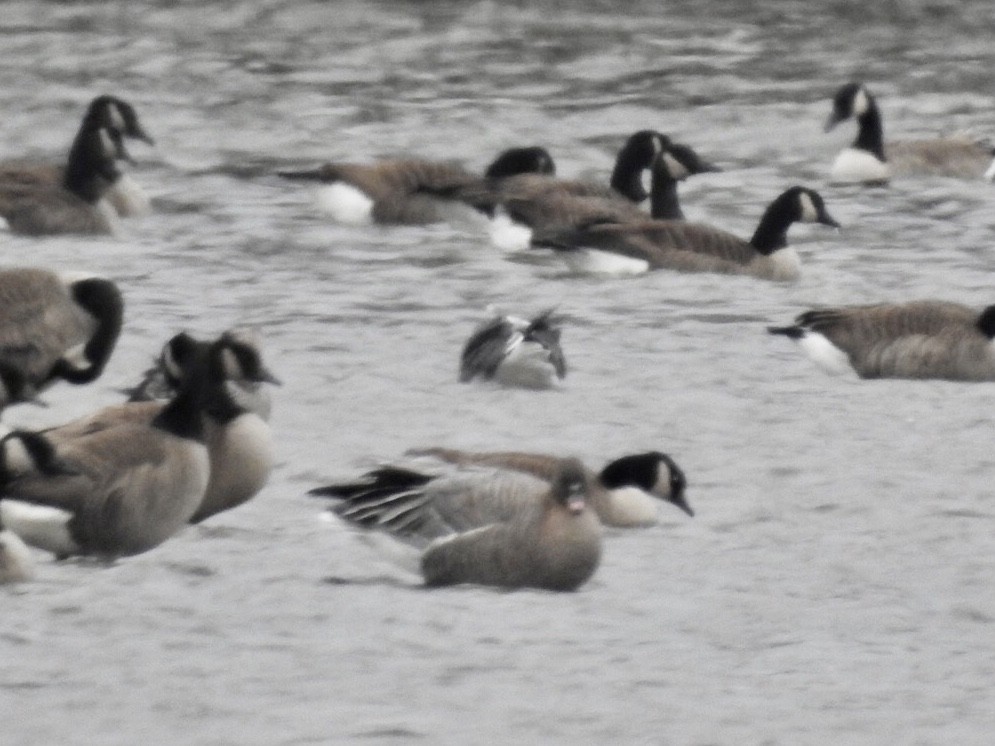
column 869, row 160
column 114, row 115
column 515, row 352
column 624, row 494
column 114, row 491
column 77, row 204
column 54, row 327
column 919, row 339
column 491, row 528
column 407, row 192
column 238, row 438
column 631, row 248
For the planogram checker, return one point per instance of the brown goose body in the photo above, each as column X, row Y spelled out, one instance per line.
column 919, row 339
column 57, row 326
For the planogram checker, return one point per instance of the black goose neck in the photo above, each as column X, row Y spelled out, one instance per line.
column 870, row 131
column 772, row 232
column 664, row 203
column 89, row 170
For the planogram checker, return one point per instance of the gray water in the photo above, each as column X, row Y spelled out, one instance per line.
column 836, row 584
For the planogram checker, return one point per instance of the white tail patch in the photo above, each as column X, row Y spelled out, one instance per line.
column 854, row 166
column 346, row 204
column 595, row 262
column 507, row 235
column 40, row 526
column 825, row 354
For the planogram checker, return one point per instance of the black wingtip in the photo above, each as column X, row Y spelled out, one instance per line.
column 791, row 332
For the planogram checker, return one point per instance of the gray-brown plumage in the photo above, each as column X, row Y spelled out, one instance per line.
column 694, row 247
column 870, row 159
column 56, row 327
column 561, row 205
column 919, row 339
column 489, row 527
column 408, row 191
column 238, row 438
column 625, row 493
column 76, row 204
column 107, row 112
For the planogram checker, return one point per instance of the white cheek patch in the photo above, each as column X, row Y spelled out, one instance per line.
column 860, row 103
column 173, row 368
column 808, row 212
column 657, row 145
column 117, row 118
column 675, row 168
column 16, row 457
column 76, row 358
column 107, row 147
column 229, row 364
column 506, row 234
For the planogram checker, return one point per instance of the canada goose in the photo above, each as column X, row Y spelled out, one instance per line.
column 519, row 205
column 631, row 248
column 76, row 205
column 15, row 559
column 55, row 327
column 411, row 192
column 492, row 528
column 569, row 207
column 869, row 160
column 919, row 339
column 113, row 484
column 238, row 438
column 624, row 494
column 515, row 352
column 116, row 116
column 162, row 380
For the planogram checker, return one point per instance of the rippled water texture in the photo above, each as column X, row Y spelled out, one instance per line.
column 836, row 584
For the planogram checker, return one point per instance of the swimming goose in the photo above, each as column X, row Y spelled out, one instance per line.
column 515, row 352
column 491, row 528
column 868, row 160
column 76, row 205
column 557, row 209
column 919, row 339
column 408, row 192
column 55, row 326
column 15, row 559
column 238, row 438
column 114, row 115
column 624, row 494
column 519, row 205
column 631, row 248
